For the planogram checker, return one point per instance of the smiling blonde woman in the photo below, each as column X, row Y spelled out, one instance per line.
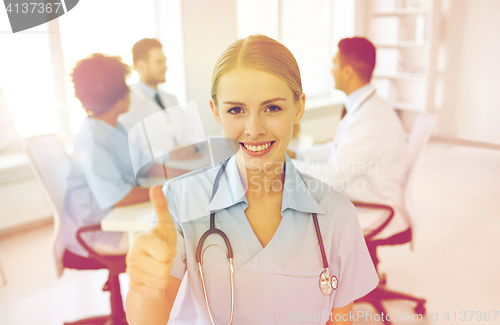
column 297, row 250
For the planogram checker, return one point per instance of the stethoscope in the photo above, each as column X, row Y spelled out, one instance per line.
column 327, row 282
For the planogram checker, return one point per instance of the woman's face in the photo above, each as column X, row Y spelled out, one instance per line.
column 257, row 110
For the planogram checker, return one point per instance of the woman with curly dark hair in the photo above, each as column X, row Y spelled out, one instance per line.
column 102, row 176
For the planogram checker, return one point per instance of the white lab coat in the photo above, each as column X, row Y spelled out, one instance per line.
column 366, row 160
column 156, row 131
column 142, row 106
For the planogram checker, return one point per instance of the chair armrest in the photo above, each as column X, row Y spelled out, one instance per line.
column 80, row 231
column 110, row 260
column 380, row 207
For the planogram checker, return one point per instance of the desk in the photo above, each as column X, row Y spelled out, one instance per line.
column 132, row 219
column 191, row 164
column 151, row 181
column 137, row 218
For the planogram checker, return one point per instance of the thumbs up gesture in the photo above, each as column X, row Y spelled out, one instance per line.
column 152, row 254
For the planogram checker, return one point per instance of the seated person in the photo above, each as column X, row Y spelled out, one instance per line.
column 101, row 175
column 290, row 238
column 367, row 158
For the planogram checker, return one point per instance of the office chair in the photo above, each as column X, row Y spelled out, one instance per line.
column 51, row 166
column 418, row 137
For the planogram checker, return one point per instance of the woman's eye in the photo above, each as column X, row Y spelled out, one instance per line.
column 235, row 110
column 273, row 108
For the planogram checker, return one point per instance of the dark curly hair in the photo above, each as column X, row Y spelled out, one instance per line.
column 99, row 82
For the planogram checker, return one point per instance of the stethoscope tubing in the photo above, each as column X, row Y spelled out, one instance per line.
column 229, row 253
column 320, row 241
column 327, row 282
column 212, row 229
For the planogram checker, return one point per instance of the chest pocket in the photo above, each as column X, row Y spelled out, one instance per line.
column 299, row 299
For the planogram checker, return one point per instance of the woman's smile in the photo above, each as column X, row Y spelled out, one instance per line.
column 258, row 110
column 257, row 149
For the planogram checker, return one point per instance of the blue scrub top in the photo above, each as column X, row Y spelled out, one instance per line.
column 101, row 175
column 277, row 284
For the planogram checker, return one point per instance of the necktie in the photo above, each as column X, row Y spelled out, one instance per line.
column 344, row 112
column 158, row 101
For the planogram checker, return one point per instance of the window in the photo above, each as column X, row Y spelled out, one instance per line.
column 310, row 29
column 26, row 80
column 113, row 30
column 101, row 31
column 31, row 69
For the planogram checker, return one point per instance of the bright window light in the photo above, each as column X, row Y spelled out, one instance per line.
column 26, row 80
column 306, row 32
column 258, row 17
column 309, row 29
column 110, row 27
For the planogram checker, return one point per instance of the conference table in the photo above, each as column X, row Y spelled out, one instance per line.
column 132, row 219
column 138, row 218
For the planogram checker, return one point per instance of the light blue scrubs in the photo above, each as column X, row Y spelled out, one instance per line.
column 277, row 284
column 101, row 175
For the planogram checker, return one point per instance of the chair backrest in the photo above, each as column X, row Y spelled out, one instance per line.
column 420, row 133
column 51, row 166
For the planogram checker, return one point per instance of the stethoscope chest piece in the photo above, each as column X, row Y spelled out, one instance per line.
column 328, row 283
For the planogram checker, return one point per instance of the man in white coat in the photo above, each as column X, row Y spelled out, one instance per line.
column 367, row 158
column 146, row 99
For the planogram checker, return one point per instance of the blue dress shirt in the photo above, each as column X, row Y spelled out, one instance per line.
column 101, row 175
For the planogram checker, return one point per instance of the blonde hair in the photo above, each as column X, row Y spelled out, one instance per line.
column 261, row 53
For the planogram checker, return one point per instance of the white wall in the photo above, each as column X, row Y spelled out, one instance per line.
column 23, row 203
column 321, row 123
column 469, row 97
column 169, row 32
column 209, row 27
